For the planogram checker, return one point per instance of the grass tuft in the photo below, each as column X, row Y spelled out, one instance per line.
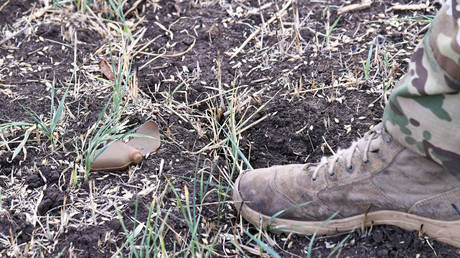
column 48, row 129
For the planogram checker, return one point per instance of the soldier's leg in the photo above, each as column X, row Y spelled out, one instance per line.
column 423, row 113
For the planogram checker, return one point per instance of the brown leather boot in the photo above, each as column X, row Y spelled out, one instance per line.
column 375, row 181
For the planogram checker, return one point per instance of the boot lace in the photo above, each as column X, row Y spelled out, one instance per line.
column 347, row 154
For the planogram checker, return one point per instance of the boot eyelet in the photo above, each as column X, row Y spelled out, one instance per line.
column 388, row 139
column 350, row 168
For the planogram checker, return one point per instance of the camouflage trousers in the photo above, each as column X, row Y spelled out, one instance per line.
column 423, row 112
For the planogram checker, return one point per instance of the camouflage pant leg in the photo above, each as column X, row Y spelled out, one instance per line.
column 423, row 113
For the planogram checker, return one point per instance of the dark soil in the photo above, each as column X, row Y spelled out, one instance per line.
column 14, row 10
column 295, row 131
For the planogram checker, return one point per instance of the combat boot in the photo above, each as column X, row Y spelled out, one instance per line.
column 375, row 181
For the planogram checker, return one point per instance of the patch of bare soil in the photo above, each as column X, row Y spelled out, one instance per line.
column 297, row 89
column 10, row 10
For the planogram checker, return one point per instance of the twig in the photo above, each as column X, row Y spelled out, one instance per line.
column 354, row 7
column 320, row 33
column 278, row 15
column 169, row 55
column 182, row 53
column 4, row 5
column 219, row 80
column 38, row 14
column 408, row 7
column 211, row 146
column 13, row 35
column 214, row 96
column 102, row 27
column 329, row 87
column 133, row 7
column 328, row 146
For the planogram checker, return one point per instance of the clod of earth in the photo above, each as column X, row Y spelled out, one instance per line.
column 119, row 155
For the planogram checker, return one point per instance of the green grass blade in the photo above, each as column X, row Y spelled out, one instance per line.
column 42, row 126
column 130, row 237
column 339, row 245
column 15, row 124
column 367, row 66
column 52, row 101
column 242, row 156
column 239, row 248
column 23, row 142
column 206, row 183
column 310, row 245
column 331, row 28
column 57, row 116
column 145, row 244
column 267, row 248
column 279, row 213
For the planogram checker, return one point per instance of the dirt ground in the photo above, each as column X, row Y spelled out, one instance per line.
column 297, row 90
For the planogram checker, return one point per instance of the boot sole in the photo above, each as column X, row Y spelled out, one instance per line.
column 444, row 231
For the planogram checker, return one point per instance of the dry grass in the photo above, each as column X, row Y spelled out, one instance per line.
column 188, row 214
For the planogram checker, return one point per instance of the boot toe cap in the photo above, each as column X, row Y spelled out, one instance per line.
column 255, row 189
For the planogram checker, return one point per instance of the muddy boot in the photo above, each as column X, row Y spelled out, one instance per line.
column 375, row 181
